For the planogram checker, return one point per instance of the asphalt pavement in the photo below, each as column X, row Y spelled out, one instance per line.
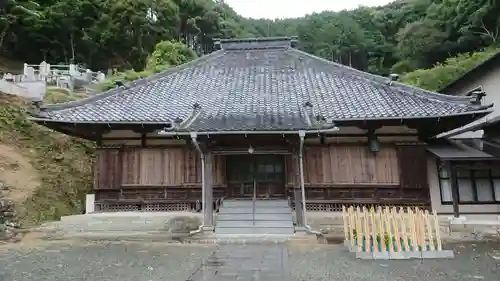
column 145, row 261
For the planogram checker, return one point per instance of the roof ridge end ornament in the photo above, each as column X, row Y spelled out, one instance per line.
column 294, row 41
column 194, row 115
column 217, row 44
column 393, row 77
column 476, row 96
column 309, row 112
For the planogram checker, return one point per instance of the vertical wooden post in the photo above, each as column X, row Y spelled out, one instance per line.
column 413, row 232
column 404, row 230
column 359, row 230
column 454, row 189
column 381, row 230
column 421, row 229
column 344, row 220
column 96, row 168
column 387, row 219
column 366, row 229
column 429, row 230
column 351, row 225
column 297, row 194
column 374, row 229
column 397, row 238
column 439, row 246
column 208, row 215
column 119, row 167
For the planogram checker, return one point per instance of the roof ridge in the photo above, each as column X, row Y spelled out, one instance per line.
column 257, row 39
column 378, row 79
column 252, row 43
column 111, row 92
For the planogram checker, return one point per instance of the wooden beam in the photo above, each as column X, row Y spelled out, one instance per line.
column 208, row 215
column 119, row 169
column 297, row 195
column 454, row 189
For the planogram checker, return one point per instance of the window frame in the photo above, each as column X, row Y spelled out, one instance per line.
column 473, row 181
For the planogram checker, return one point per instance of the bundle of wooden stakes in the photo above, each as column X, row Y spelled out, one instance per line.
column 391, row 230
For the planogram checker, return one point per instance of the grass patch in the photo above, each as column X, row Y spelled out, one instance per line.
column 58, row 95
column 64, row 164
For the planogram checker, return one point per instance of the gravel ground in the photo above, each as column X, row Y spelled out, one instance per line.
column 471, row 262
column 155, row 261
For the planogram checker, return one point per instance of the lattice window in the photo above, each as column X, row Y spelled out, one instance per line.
column 335, row 207
column 150, row 207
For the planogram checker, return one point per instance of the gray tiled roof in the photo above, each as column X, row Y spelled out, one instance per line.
column 259, row 85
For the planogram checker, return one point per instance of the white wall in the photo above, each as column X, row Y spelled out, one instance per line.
column 30, row 90
column 435, row 192
column 490, row 81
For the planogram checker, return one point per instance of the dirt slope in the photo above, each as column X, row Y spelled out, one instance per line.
column 49, row 173
column 17, row 172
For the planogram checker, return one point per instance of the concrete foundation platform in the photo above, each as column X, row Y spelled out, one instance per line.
column 381, row 256
column 444, row 254
column 364, row 255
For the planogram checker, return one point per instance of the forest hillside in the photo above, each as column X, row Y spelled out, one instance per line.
column 400, row 37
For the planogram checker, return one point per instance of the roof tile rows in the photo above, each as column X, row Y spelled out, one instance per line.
column 259, row 85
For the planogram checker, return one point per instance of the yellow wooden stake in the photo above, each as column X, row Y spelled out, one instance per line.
column 374, row 229
column 344, row 220
column 395, row 226
column 387, row 219
column 366, row 229
column 421, row 230
column 439, row 246
column 404, row 230
column 351, row 225
column 429, row 230
column 413, row 232
column 359, row 231
column 381, row 228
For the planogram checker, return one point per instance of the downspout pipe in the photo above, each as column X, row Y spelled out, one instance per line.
column 194, row 136
column 302, row 135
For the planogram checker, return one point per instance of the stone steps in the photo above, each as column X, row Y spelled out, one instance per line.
column 266, row 217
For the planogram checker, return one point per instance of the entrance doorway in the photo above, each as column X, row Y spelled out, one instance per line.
column 259, row 176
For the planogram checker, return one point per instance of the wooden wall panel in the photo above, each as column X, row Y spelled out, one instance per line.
column 219, row 170
column 413, row 165
column 107, row 172
column 192, row 167
column 153, row 166
column 348, row 164
column 289, row 170
column 172, row 166
column 131, row 163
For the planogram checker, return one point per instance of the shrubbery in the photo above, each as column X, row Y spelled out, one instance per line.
column 166, row 54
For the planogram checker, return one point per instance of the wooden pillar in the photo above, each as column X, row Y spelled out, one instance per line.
column 119, row 167
column 208, row 215
column 297, row 194
column 454, row 189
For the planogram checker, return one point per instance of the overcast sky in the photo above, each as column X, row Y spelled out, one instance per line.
column 273, row 9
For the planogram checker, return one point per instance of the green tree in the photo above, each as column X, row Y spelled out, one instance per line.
column 12, row 12
column 419, row 42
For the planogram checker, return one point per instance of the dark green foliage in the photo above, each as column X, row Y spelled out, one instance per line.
column 399, row 37
column 165, row 55
column 442, row 74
